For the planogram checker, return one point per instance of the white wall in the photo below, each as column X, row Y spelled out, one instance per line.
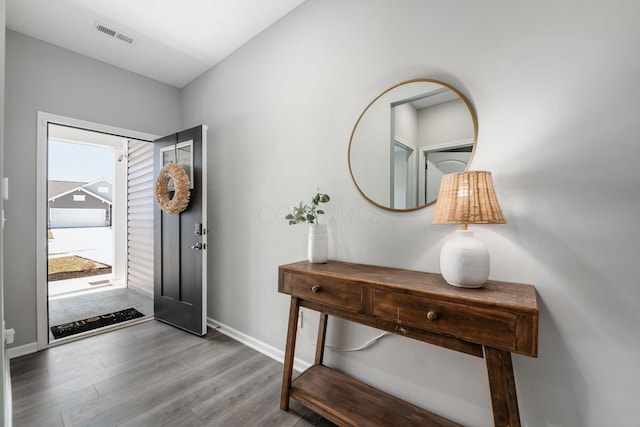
column 556, row 89
column 406, row 124
column 43, row 77
column 444, row 124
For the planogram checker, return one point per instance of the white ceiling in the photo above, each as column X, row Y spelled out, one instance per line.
column 174, row 40
column 83, row 136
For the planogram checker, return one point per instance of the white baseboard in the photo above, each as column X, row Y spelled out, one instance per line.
column 264, row 348
column 22, row 350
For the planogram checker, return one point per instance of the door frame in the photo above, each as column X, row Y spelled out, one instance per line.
column 422, row 161
column 44, row 118
column 410, row 188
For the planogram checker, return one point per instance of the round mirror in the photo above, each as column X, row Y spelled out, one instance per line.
column 406, row 139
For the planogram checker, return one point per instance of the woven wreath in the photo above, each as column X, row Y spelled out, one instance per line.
column 180, row 199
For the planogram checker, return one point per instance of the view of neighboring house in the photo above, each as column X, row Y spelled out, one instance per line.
column 79, row 204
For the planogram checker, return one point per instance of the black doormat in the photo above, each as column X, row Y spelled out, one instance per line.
column 66, row 329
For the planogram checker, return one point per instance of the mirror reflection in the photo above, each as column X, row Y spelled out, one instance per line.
column 407, row 139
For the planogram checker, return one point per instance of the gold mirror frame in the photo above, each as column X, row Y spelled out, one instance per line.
column 358, row 122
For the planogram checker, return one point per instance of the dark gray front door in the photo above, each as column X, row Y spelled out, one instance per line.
column 180, row 240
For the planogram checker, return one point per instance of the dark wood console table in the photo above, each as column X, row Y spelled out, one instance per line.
column 492, row 322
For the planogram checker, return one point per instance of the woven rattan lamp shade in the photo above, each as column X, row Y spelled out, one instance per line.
column 467, row 198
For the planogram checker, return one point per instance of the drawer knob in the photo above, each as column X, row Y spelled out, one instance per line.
column 315, row 289
column 432, row 315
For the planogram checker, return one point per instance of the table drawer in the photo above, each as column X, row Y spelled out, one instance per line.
column 493, row 328
column 326, row 290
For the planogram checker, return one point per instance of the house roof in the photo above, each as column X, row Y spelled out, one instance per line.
column 58, row 189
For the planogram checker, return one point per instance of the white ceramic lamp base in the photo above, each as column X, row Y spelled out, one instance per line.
column 464, row 261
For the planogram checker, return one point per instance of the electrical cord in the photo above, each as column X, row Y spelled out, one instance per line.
column 365, row 346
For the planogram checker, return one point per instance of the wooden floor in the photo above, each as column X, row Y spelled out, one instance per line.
column 151, row 374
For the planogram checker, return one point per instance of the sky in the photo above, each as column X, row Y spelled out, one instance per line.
column 78, row 162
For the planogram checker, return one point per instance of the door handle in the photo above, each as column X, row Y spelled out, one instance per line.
column 197, row 247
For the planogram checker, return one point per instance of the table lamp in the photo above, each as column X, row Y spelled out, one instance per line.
column 466, row 198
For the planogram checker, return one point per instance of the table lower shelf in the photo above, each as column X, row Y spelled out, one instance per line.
column 349, row 402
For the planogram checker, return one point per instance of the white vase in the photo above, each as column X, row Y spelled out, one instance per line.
column 464, row 261
column 318, row 249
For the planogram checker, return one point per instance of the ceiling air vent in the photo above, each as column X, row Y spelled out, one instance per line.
column 113, row 33
column 124, row 38
column 107, row 31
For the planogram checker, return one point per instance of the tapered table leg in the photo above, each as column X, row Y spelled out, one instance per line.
column 289, row 353
column 322, row 334
column 502, row 386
